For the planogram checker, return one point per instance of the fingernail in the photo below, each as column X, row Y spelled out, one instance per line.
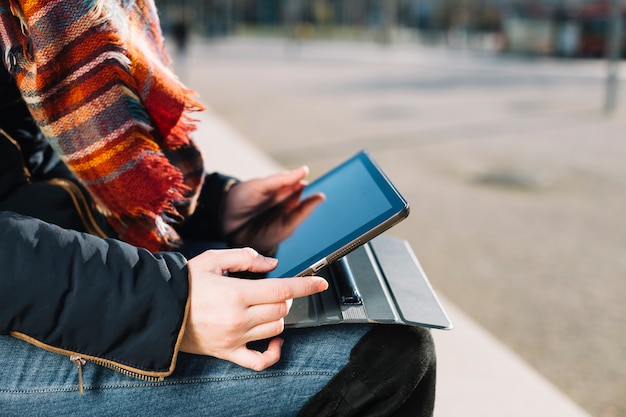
column 323, row 284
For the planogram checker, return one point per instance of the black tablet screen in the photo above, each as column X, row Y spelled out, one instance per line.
column 359, row 197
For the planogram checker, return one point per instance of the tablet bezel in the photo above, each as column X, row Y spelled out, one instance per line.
column 398, row 211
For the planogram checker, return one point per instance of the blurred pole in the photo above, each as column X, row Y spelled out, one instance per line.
column 228, row 17
column 614, row 52
column 390, row 10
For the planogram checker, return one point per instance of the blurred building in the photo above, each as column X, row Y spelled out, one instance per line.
column 550, row 27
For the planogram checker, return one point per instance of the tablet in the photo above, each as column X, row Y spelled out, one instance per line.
column 361, row 203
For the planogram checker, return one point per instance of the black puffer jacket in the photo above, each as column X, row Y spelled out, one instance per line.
column 66, row 283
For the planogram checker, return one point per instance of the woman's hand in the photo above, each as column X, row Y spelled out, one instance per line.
column 226, row 312
column 261, row 213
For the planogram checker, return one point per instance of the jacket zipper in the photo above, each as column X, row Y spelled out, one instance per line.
column 76, row 194
column 82, row 207
column 126, row 372
column 15, row 143
column 81, row 361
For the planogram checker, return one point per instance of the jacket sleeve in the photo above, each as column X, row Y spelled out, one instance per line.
column 16, row 120
column 206, row 221
column 100, row 299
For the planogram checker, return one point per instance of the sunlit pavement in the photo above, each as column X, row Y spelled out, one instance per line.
column 516, row 181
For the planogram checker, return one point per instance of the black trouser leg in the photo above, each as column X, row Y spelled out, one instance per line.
column 391, row 373
column 421, row 402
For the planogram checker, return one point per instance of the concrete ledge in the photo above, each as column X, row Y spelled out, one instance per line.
column 226, row 151
column 477, row 375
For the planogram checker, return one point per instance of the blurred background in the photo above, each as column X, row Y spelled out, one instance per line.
column 547, row 27
column 502, row 122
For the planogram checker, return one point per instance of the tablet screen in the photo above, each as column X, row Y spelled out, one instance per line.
column 359, row 200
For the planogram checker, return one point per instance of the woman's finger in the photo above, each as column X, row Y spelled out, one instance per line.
column 233, row 260
column 265, row 330
column 256, row 360
column 274, row 290
column 299, row 212
column 286, row 178
column 266, row 313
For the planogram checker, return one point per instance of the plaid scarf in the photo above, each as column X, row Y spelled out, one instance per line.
column 98, row 82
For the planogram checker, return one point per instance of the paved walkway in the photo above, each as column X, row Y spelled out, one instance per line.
column 477, row 375
column 515, row 177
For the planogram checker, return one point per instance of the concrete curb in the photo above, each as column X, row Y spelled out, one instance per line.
column 477, row 374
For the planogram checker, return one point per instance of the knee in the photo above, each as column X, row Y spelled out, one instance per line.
column 424, row 346
column 396, row 350
column 387, row 367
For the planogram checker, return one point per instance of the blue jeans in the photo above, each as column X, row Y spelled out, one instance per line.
column 34, row 382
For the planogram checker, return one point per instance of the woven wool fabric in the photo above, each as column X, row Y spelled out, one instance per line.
column 97, row 80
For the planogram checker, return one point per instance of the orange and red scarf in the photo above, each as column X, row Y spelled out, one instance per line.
column 97, row 80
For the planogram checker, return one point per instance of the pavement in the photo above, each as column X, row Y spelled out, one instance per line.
column 515, row 176
column 478, row 376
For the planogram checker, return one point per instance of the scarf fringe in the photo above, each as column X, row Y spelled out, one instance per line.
column 144, row 225
column 16, row 10
column 179, row 135
column 16, row 44
column 152, row 233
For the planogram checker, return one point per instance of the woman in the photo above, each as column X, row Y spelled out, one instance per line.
column 104, row 203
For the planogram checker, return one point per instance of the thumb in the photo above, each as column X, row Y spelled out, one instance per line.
column 232, row 260
column 286, row 178
column 246, row 259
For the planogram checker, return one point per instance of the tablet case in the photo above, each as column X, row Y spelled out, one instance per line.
column 379, row 282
